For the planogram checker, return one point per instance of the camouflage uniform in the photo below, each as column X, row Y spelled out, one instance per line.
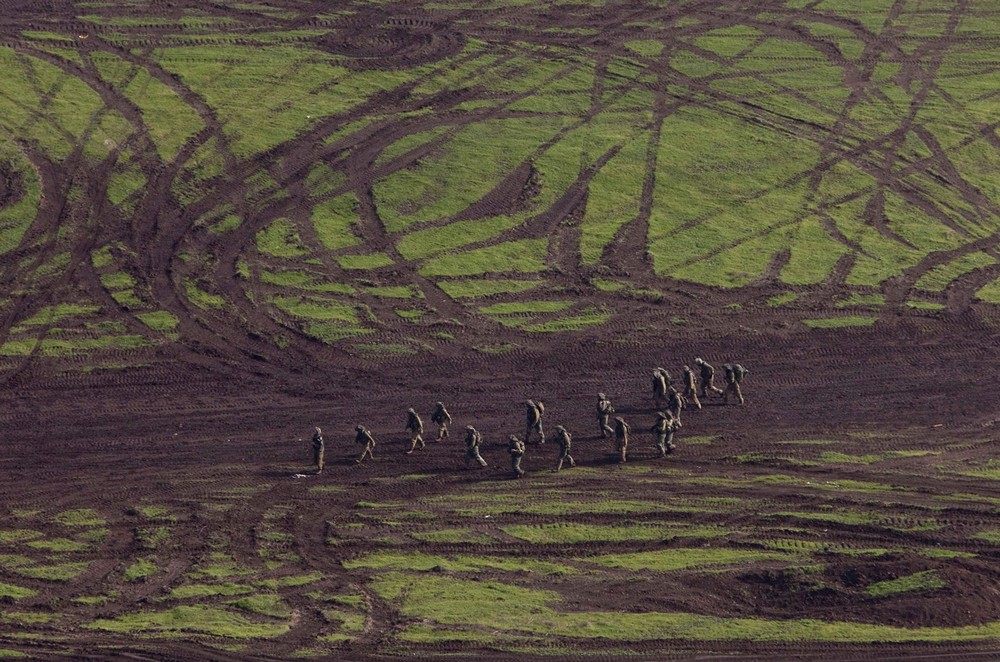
column 604, row 411
column 516, row 449
column 675, row 402
column 472, row 441
column 621, row 436
column 565, row 441
column 416, row 428
column 534, row 421
column 661, row 379
column 707, row 379
column 664, row 431
column 734, row 375
column 364, row 437
column 690, row 391
column 442, row 418
column 318, row 450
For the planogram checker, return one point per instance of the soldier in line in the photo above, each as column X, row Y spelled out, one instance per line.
column 604, row 411
column 534, row 411
column 661, row 380
column 416, row 429
column 441, row 418
column 516, row 449
column 565, row 441
column 364, row 437
column 734, row 375
column 707, row 378
column 621, row 436
column 690, row 391
column 664, row 431
column 675, row 402
column 318, row 450
column 472, row 441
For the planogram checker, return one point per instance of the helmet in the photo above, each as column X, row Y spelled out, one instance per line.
column 439, row 404
column 410, row 410
column 318, row 431
column 661, row 370
column 601, row 396
column 698, row 361
column 660, row 414
column 559, row 427
column 529, row 403
column 360, row 428
column 469, row 427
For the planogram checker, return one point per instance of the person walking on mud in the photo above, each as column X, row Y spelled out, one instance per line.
column 661, row 381
column 416, row 429
column 675, row 402
column 604, row 411
column 664, row 431
column 318, row 450
column 734, row 375
column 690, row 391
column 707, row 378
column 621, row 437
column 534, row 411
column 565, row 441
column 441, row 418
column 365, row 438
column 516, row 449
column 472, row 441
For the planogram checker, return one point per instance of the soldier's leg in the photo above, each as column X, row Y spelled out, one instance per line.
column 527, row 432
column 623, row 448
column 420, row 440
column 541, row 434
column 739, row 392
column 319, row 460
column 695, row 400
column 559, row 466
column 517, row 466
column 670, row 442
column 442, row 432
column 715, row 389
column 479, row 458
column 413, row 443
column 572, row 462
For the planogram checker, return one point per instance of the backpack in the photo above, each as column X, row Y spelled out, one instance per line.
column 540, row 407
column 739, row 372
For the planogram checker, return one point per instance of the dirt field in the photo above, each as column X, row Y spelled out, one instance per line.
column 166, row 347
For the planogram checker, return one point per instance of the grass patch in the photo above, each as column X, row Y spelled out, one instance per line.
column 569, row 533
column 470, row 536
column 152, row 537
column 12, row 592
column 205, row 590
column 192, row 619
column 60, row 572
column 13, row 536
column 523, row 256
column 359, row 262
column 139, row 570
column 59, row 545
column 290, row 581
column 418, row 561
column 266, row 605
column 928, row 580
column 466, row 289
column 840, row 322
column 159, row 320
column 685, row 559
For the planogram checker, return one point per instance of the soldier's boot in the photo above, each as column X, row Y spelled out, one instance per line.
column 420, row 440
column 739, row 393
column 527, row 434
column 670, row 448
column 622, row 460
column 572, row 463
column 541, row 434
column 482, row 462
column 558, row 466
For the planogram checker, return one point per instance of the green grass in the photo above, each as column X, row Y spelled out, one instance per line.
column 205, row 590
column 13, row 536
column 152, row 537
column 59, row 572
column 685, row 559
column 523, row 307
column 58, row 545
column 521, row 256
column 927, row 580
column 281, row 239
column 571, row 533
column 264, row 604
column 359, row 262
column 464, row 289
column 12, row 592
column 290, row 581
column 840, row 322
column 470, row 536
column 417, row 561
column 159, row 320
column 79, row 517
column 333, row 221
column 139, row 570
column 192, row 619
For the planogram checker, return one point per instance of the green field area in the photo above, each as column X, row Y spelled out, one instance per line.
column 598, row 164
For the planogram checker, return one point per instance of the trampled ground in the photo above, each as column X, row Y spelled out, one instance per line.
column 223, row 224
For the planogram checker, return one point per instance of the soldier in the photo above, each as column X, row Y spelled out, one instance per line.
column 664, row 431
column 734, row 375
column 621, row 436
column 472, row 441
column 364, row 437
column 442, row 418
column 661, row 379
column 516, row 449
column 534, row 421
column 318, row 450
column 675, row 402
column 604, row 411
column 690, row 392
column 565, row 441
column 416, row 429
column 707, row 378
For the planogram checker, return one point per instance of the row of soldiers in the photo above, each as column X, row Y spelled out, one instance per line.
column 667, row 422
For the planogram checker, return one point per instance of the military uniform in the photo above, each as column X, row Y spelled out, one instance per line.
column 364, row 437
column 472, row 441
column 516, row 449
column 707, row 379
column 416, row 428
column 604, row 411
column 690, row 391
column 318, row 450
column 664, row 431
column 534, row 411
column 441, row 418
column 734, row 375
column 675, row 402
column 621, row 436
column 565, row 441
column 661, row 379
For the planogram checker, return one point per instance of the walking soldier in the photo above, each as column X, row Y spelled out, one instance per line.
column 734, row 375
column 664, row 431
column 416, row 428
column 534, row 411
column 565, row 441
column 690, row 391
column 364, row 437
column 441, row 418
column 707, row 378
column 516, row 449
column 318, row 450
column 472, row 441
column 621, row 436
column 604, row 411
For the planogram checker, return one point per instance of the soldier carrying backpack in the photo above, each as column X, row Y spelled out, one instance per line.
column 734, row 375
